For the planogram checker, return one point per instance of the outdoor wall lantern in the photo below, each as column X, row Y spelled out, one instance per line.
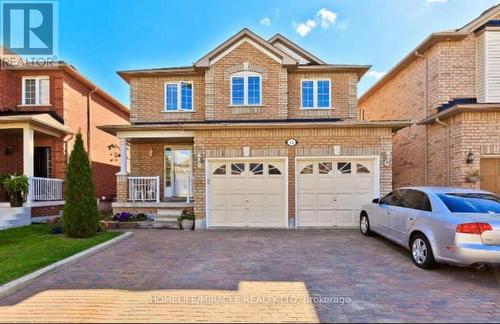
column 470, row 158
column 388, row 158
column 198, row 159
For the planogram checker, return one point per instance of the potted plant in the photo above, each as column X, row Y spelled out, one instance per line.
column 17, row 188
column 187, row 219
column 472, row 176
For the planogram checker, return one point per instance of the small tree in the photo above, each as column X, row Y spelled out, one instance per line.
column 80, row 217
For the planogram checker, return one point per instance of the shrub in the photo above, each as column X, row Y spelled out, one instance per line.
column 128, row 217
column 55, row 226
column 81, row 218
column 103, row 227
column 186, row 214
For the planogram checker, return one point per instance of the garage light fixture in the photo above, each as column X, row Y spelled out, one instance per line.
column 470, row 158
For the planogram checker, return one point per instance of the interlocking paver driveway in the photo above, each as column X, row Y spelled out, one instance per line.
column 121, row 283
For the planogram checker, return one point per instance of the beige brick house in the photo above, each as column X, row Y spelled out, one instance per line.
column 449, row 86
column 256, row 133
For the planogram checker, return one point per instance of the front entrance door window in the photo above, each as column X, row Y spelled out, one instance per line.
column 178, row 172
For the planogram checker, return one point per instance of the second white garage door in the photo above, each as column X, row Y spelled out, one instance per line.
column 331, row 192
column 247, row 194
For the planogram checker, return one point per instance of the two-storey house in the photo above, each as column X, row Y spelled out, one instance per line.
column 257, row 133
column 40, row 111
column 449, row 85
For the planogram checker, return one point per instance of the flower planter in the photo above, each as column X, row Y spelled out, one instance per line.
column 187, row 224
column 16, row 200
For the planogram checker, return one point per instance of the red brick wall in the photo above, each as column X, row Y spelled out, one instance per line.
column 46, row 211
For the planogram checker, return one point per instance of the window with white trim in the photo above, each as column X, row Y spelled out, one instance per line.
column 179, row 96
column 315, row 94
column 246, row 89
column 36, row 91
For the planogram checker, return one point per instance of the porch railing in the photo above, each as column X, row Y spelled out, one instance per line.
column 144, row 189
column 45, row 189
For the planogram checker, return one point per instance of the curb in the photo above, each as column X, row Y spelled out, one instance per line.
column 14, row 285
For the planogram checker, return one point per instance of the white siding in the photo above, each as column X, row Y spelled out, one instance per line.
column 491, row 67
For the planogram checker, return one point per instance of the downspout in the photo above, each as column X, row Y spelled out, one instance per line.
column 440, row 122
column 426, row 103
column 89, row 124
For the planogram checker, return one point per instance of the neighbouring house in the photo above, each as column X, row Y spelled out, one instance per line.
column 40, row 111
column 256, row 133
column 449, row 85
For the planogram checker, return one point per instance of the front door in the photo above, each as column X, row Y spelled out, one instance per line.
column 42, row 162
column 178, row 166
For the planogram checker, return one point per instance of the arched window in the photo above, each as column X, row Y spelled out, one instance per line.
column 308, row 169
column 246, row 89
column 220, row 170
column 273, row 170
column 360, row 168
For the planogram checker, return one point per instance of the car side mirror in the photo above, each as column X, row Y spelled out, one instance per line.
column 376, row 200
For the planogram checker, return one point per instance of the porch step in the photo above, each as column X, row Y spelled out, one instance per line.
column 167, row 218
column 14, row 217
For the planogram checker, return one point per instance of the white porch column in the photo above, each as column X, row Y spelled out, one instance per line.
column 123, row 157
column 28, row 151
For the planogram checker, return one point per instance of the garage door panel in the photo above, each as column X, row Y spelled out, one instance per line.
column 219, row 201
column 248, row 196
column 334, row 198
column 346, row 217
column 218, row 216
column 307, row 184
column 326, row 218
column 325, row 201
column 237, row 200
column 219, row 184
column 306, row 201
column 308, row 217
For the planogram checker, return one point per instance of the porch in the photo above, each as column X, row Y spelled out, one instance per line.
column 156, row 172
column 33, row 145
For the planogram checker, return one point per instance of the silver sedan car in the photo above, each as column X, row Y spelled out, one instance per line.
column 438, row 224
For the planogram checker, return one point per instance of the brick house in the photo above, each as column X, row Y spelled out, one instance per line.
column 40, row 111
column 448, row 85
column 257, row 133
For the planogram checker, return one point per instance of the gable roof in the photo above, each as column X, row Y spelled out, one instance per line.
column 429, row 42
column 245, row 33
column 278, row 38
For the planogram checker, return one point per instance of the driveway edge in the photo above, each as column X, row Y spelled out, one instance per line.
column 14, row 285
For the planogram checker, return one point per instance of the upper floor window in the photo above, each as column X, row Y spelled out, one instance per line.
column 36, row 91
column 246, row 89
column 315, row 94
column 179, row 96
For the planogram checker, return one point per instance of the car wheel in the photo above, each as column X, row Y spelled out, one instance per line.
column 364, row 225
column 421, row 252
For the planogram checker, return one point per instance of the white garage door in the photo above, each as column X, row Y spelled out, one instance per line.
column 331, row 192
column 247, row 193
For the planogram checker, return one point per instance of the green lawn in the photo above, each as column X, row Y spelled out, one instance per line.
column 29, row 248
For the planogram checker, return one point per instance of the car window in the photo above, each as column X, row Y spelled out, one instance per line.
column 414, row 199
column 471, row 202
column 391, row 199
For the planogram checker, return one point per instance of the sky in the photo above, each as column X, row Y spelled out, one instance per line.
column 100, row 37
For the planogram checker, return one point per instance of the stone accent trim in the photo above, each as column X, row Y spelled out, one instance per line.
column 490, row 150
column 282, row 93
column 344, row 151
column 245, row 109
column 317, row 113
column 246, row 67
column 210, row 94
column 178, row 115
